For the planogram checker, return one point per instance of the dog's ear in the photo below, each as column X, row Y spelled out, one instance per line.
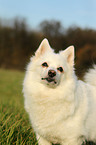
column 69, row 54
column 44, row 46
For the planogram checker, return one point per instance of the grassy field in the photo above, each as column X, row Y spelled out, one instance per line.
column 14, row 122
column 15, row 127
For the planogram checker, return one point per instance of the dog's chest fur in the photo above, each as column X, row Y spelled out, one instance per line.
column 49, row 118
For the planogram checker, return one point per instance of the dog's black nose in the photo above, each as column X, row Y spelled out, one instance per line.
column 51, row 73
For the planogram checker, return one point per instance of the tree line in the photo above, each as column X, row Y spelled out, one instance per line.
column 18, row 43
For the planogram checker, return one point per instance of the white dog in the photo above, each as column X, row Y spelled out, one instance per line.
column 62, row 109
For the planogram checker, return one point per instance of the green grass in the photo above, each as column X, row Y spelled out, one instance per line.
column 15, row 127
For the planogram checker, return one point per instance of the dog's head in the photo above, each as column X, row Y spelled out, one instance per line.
column 51, row 68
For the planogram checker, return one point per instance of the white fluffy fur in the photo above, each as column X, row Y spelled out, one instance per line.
column 64, row 112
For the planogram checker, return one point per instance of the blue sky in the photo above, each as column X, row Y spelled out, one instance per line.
column 70, row 12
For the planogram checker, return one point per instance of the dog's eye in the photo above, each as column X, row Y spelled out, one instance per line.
column 45, row 64
column 60, row 69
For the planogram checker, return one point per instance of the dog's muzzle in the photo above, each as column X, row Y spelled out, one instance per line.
column 51, row 77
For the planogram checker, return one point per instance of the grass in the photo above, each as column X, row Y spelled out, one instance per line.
column 14, row 122
column 15, row 127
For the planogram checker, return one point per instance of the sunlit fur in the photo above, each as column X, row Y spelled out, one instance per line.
column 63, row 112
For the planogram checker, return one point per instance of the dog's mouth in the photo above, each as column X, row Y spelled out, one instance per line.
column 49, row 80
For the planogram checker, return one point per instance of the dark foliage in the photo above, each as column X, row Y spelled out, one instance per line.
column 18, row 44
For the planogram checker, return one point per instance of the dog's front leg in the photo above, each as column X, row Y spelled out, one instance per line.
column 72, row 142
column 42, row 141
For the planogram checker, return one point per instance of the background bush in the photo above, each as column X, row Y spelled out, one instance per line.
column 18, row 43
